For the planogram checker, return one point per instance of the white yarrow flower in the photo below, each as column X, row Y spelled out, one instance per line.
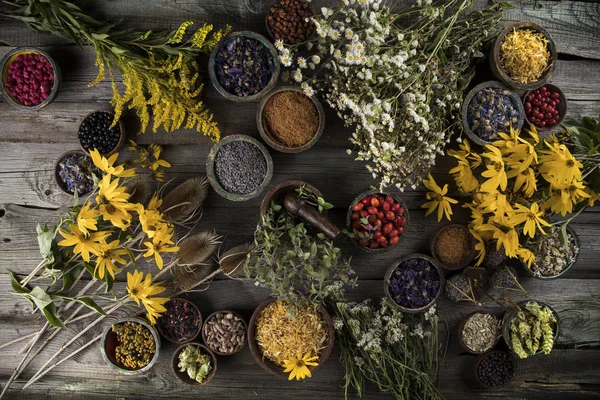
column 298, row 75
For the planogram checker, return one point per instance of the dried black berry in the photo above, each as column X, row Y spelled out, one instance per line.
column 496, row 369
column 95, row 132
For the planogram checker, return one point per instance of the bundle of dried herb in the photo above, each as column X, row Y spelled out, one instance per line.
column 532, row 329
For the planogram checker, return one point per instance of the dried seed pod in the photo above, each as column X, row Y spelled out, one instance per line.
column 185, row 199
column 139, row 189
column 198, row 248
column 188, row 277
column 232, row 262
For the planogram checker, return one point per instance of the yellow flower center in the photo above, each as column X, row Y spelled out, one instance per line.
column 299, row 363
column 439, row 198
column 570, row 163
column 498, row 166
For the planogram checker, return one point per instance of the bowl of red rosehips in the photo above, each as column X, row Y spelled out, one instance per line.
column 30, row 78
column 545, row 107
column 376, row 221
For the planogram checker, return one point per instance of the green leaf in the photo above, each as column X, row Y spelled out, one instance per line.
column 117, row 50
column 564, row 235
column 50, row 314
column 109, row 282
column 91, row 304
column 100, row 36
column 75, row 198
column 45, row 238
column 40, row 297
column 313, row 249
column 16, row 286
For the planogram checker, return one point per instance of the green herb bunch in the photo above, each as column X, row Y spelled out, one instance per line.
column 160, row 74
column 195, row 363
column 295, row 263
column 397, row 352
column 533, row 329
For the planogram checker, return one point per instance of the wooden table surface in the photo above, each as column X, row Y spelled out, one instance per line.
column 31, row 142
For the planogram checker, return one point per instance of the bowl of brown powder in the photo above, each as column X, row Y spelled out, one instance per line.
column 289, row 120
column 453, row 247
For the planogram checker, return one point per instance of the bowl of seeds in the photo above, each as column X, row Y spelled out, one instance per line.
column 181, row 322
column 239, row 167
column 489, row 108
column 73, row 172
column 130, row 346
column 479, row 332
column 289, row 120
column 453, row 247
column 244, row 66
column 289, row 21
column 97, row 132
column 224, row 332
column 552, row 258
column 194, row 364
column 495, row 369
column 524, row 56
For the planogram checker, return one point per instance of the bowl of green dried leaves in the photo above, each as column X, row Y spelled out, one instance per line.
column 194, row 364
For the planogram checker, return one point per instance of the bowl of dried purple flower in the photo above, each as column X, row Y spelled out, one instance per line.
column 244, row 66
column 414, row 283
column 73, row 173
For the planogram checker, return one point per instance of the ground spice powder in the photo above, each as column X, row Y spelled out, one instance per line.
column 452, row 246
column 290, row 118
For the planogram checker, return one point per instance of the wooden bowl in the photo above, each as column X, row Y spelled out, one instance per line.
column 188, row 339
column 516, row 102
column 349, row 221
column 269, row 365
column 212, row 175
column 270, row 138
column 9, row 58
column 562, row 107
column 57, row 177
column 544, row 277
column 270, row 32
column 461, row 326
column 465, row 261
column 183, row 376
column 501, row 74
column 109, row 344
column 485, row 355
column 206, row 324
column 122, row 134
column 278, row 192
column 396, row 264
column 213, row 74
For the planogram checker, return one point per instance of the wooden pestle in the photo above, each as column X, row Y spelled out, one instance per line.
column 297, row 206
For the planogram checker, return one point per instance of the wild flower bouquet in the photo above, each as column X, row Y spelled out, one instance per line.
column 397, row 352
column 398, row 78
column 518, row 183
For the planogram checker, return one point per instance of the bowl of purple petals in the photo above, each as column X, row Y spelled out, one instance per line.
column 244, row 66
column 73, row 173
column 414, row 283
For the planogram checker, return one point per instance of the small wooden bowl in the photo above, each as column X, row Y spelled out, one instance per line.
column 395, row 265
column 562, row 107
column 212, row 175
column 270, row 32
column 186, row 340
column 461, row 326
column 510, row 315
column 213, row 74
column 211, row 316
column 349, row 221
column 544, row 277
column 109, row 344
column 269, row 365
column 183, row 376
column 9, row 58
column 485, row 355
column 501, row 74
column 270, row 138
column 122, row 134
column 278, row 192
column 516, row 101
column 57, row 177
column 465, row 261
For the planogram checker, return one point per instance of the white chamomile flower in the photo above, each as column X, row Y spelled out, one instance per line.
column 285, row 52
column 358, row 47
column 337, row 54
column 316, row 59
column 349, row 58
column 309, row 91
column 286, row 61
column 298, row 75
column 335, row 34
column 349, row 34
column 279, row 44
column 302, row 62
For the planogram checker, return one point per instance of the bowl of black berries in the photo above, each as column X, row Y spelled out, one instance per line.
column 495, row 369
column 414, row 283
column 244, row 66
column 239, row 167
column 97, row 131
column 73, row 173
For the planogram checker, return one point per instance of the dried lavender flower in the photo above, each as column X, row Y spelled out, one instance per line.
column 458, row 288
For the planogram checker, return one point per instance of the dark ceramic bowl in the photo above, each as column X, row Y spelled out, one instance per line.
column 531, row 273
column 109, row 344
column 213, row 74
column 468, row 257
column 271, row 139
column 269, row 365
column 516, row 101
column 278, row 192
column 395, row 265
column 501, row 74
column 122, row 134
column 461, row 326
column 183, row 376
column 9, row 58
column 485, row 355
column 510, row 315
column 204, row 335
column 197, row 323
column 212, row 175
column 57, row 178
column 349, row 221
column 268, row 27
column 562, row 107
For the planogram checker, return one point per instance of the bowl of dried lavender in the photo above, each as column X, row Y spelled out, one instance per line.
column 244, row 66
column 73, row 173
column 181, row 323
column 555, row 253
column 239, row 167
column 490, row 108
